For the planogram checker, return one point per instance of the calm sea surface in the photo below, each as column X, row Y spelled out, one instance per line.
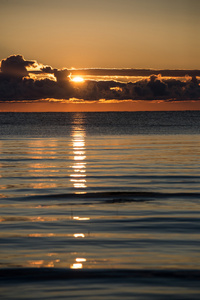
column 100, row 205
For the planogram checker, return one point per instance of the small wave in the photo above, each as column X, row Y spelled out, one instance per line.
column 109, row 197
column 42, row 274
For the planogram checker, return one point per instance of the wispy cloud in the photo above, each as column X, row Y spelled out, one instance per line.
column 22, row 79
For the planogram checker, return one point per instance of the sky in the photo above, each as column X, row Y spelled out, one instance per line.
column 48, row 36
column 158, row 34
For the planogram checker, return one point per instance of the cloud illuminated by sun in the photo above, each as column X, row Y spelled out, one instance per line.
column 78, row 79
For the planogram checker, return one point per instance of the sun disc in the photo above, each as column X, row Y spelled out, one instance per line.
column 77, row 79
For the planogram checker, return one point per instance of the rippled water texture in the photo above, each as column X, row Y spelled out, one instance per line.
column 100, row 205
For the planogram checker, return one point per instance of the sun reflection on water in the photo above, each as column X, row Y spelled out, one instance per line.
column 80, row 259
column 78, row 264
column 81, row 219
column 79, row 235
column 78, row 175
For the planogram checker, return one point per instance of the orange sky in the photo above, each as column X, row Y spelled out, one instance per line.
column 103, row 33
column 122, row 106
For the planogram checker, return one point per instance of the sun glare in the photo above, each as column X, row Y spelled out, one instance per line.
column 77, row 79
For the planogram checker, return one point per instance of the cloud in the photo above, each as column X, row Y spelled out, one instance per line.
column 153, row 88
column 47, row 69
column 62, row 76
column 18, row 83
column 15, row 66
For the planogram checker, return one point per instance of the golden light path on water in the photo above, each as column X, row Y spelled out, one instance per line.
column 78, row 175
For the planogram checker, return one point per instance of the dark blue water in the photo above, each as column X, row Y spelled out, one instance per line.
column 100, row 205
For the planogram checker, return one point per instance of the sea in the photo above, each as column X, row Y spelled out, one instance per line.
column 100, row 205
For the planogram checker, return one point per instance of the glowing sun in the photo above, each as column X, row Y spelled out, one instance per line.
column 77, row 79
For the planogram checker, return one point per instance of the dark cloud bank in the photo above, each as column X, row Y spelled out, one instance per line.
column 16, row 84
